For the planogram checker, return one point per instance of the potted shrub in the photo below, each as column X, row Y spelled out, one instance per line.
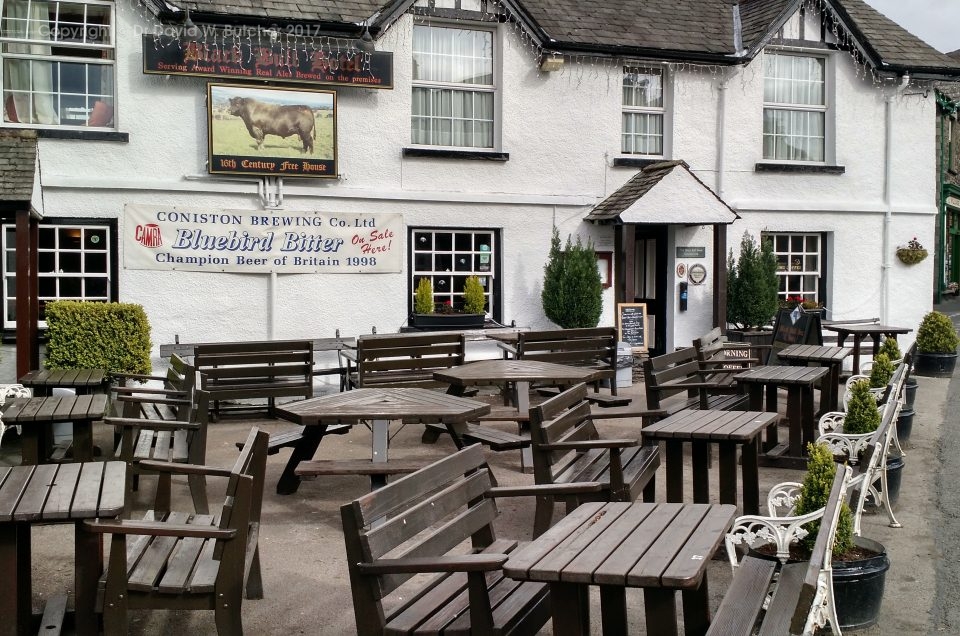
column 937, row 342
column 427, row 315
column 881, row 371
column 859, row 564
column 890, row 347
column 752, row 286
column 863, row 415
column 572, row 289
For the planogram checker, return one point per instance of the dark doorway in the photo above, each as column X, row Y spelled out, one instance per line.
column 650, row 281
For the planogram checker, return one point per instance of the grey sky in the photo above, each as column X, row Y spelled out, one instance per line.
column 935, row 22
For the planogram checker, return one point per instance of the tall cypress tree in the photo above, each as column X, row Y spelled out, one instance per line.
column 752, row 284
column 572, row 290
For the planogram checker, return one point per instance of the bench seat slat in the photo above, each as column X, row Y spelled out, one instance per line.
column 743, row 601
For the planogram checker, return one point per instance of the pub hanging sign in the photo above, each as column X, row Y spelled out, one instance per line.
column 297, row 61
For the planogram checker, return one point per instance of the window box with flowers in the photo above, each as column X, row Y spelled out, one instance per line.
column 429, row 315
column 808, row 305
column 912, row 253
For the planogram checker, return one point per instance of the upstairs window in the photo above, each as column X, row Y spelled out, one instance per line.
column 643, row 116
column 58, row 63
column 794, row 108
column 453, row 87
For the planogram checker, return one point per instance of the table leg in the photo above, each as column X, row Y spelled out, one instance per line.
column 30, row 443
column 660, row 611
column 727, row 474
column 16, row 582
column 305, row 449
column 613, row 609
column 856, row 353
column 83, row 441
column 521, row 399
column 829, row 387
column 795, row 419
column 808, row 416
column 674, row 468
column 88, row 564
column 570, row 607
column 380, row 432
column 696, row 609
column 756, row 397
column 700, row 458
column 750, row 474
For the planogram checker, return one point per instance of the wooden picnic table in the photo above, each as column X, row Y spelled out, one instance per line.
column 36, row 416
column 728, row 430
column 660, row 547
column 54, row 493
column 830, row 357
column 514, row 377
column 43, row 381
column 378, row 405
column 801, row 414
column 859, row 332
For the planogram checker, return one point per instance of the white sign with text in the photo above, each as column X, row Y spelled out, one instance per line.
column 286, row 242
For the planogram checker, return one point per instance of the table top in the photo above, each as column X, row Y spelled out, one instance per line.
column 711, row 425
column 55, row 408
column 770, row 374
column 813, row 353
column 69, row 378
column 866, row 328
column 629, row 544
column 499, row 371
column 412, row 405
column 50, row 492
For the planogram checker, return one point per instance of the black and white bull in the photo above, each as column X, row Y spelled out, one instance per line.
column 263, row 119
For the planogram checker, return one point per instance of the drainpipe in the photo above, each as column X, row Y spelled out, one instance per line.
column 719, row 277
column 888, row 198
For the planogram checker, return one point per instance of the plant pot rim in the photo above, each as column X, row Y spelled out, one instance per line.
column 937, row 353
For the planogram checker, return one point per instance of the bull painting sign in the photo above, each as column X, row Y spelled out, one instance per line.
column 286, row 242
column 271, row 131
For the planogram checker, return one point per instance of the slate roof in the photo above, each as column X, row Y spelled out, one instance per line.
column 694, row 30
column 641, row 184
column 18, row 155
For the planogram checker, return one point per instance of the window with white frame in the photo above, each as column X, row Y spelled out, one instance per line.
column 794, row 107
column 799, row 264
column 75, row 262
column 643, row 115
column 454, row 93
column 447, row 257
column 58, row 63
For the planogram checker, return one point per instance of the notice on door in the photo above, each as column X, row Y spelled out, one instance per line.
column 632, row 325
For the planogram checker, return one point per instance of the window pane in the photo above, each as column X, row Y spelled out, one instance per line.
column 461, row 56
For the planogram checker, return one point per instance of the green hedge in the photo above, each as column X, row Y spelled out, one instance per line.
column 88, row 335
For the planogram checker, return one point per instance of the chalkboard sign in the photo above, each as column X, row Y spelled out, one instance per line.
column 794, row 327
column 632, row 324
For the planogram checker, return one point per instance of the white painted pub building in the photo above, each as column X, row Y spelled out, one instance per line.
column 248, row 173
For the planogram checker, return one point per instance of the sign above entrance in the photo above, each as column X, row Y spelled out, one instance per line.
column 691, row 252
column 245, row 241
column 264, row 57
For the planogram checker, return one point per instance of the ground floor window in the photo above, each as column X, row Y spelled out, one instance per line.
column 76, row 261
column 448, row 256
column 799, row 264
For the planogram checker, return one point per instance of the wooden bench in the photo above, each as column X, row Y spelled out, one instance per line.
column 802, row 597
column 398, row 360
column 178, row 560
column 720, row 359
column 377, row 471
column 679, row 372
column 567, row 449
column 595, row 348
column 415, row 525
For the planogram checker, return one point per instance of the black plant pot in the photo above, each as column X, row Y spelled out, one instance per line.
column 754, row 337
column 935, row 365
column 910, row 389
column 858, row 586
column 894, row 477
column 438, row 322
column 905, row 425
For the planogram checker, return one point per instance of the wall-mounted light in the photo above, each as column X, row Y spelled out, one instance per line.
column 365, row 42
column 550, row 63
column 189, row 28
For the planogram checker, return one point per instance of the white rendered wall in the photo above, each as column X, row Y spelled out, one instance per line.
column 562, row 132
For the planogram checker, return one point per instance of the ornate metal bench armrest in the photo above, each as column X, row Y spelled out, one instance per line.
column 849, row 446
column 756, row 530
column 782, row 498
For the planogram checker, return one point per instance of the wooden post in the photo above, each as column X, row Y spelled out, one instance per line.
column 27, row 233
column 720, row 276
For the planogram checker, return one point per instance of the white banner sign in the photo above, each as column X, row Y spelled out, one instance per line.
column 211, row 240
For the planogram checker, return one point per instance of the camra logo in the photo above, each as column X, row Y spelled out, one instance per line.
column 148, row 235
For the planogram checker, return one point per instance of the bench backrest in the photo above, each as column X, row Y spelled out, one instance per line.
column 407, row 359
column 424, row 514
column 594, row 347
column 715, row 351
column 564, row 418
column 673, row 368
column 175, row 403
column 232, row 364
column 819, row 572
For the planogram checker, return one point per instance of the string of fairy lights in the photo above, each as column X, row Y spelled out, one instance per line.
column 291, row 42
